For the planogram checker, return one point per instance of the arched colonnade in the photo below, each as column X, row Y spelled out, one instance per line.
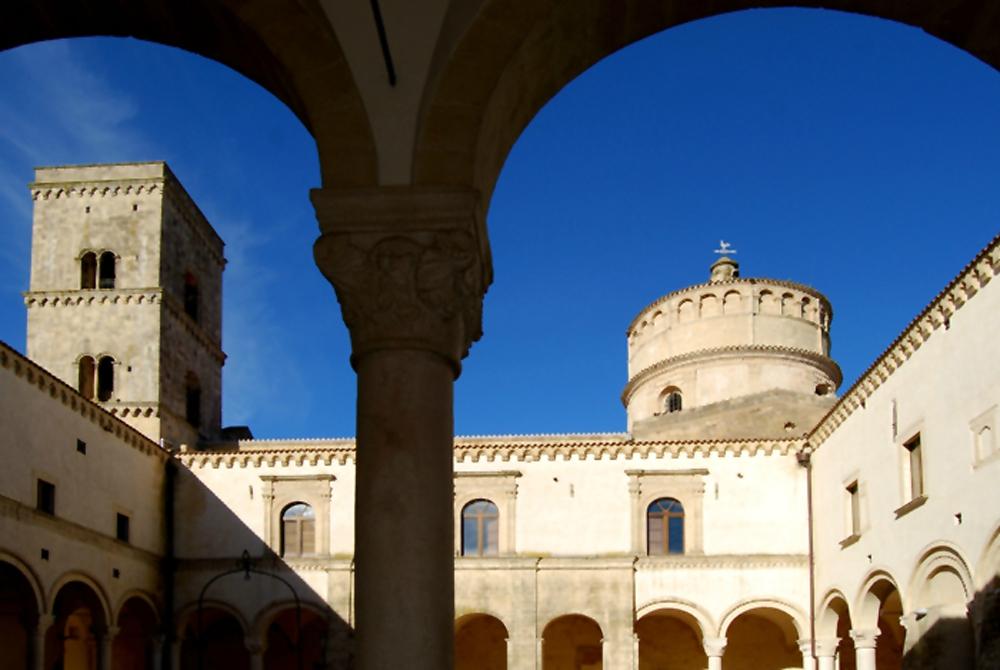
column 411, row 135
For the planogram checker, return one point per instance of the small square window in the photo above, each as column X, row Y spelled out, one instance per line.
column 122, row 527
column 81, row 446
column 915, row 466
column 855, row 507
column 46, row 500
column 45, row 554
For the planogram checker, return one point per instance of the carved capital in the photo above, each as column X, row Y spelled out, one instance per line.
column 410, row 266
column 714, row 646
column 864, row 639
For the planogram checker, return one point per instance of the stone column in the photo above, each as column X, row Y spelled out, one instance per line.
column 45, row 622
column 715, row 647
column 255, row 647
column 410, row 266
column 521, row 652
column 105, row 644
column 864, row 648
column 808, row 662
column 156, row 642
column 826, row 653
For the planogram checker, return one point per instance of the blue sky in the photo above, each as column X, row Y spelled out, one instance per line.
column 852, row 154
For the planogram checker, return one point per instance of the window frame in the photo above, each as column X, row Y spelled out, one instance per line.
column 666, row 546
column 45, row 496
column 686, row 486
column 483, row 536
column 498, row 487
column 280, row 492
column 299, row 523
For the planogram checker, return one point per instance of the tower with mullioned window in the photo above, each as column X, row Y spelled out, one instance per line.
column 125, row 298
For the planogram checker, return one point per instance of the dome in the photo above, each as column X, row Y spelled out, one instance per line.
column 730, row 344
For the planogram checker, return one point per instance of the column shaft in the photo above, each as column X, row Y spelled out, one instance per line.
column 403, row 512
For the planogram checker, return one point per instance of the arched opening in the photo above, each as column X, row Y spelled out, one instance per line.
column 944, row 633
column 298, row 530
column 295, row 645
column 834, row 621
column 192, row 399
column 480, row 643
column 86, row 369
column 480, row 529
column 672, row 400
column 881, row 609
column 88, row 270
column 665, row 527
column 105, row 378
column 220, row 642
column 763, row 638
column 670, row 639
column 572, row 642
column 18, row 617
column 72, row 642
column 107, row 270
column 134, row 645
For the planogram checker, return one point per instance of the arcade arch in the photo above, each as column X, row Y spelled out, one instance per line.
column 670, row 638
column 762, row 635
column 78, row 638
column 19, row 612
column 480, row 642
column 877, row 634
column 572, row 642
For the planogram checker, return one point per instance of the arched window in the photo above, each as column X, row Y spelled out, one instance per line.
column 191, row 295
column 105, row 377
column 665, row 527
column 192, row 399
column 298, row 530
column 85, row 382
column 480, row 529
column 672, row 400
column 107, row 270
column 88, row 270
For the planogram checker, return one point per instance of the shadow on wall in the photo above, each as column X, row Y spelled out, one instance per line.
column 949, row 640
column 237, row 597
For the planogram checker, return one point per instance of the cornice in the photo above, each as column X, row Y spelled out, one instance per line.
column 46, row 382
column 739, row 282
column 825, row 363
column 315, row 453
column 974, row 276
column 94, row 188
column 95, row 296
column 723, row 561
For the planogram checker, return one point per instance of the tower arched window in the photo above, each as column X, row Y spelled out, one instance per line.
column 665, row 527
column 191, row 295
column 88, row 270
column 107, row 270
column 192, row 399
column 298, row 530
column 105, row 377
column 672, row 401
column 480, row 529
column 85, row 379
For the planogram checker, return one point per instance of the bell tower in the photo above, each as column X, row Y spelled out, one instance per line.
column 125, row 298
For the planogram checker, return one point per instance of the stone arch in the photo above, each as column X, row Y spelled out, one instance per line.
column 261, row 42
column 933, row 562
column 709, row 305
column 796, row 616
column 763, row 634
column 939, row 628
column 472, row 116
column 90, row 582
column 704, row 620
column 869, row 598
column 20, row 606
column 732, row 302
column 878, row 609
column 41, row 602
column 221, row 640
column 672, row 635
column 141, row 595
column 988, row 565
column 686, row 311
column 274, row 628
column 480, row 642
column 138, row 623
column 571, row 640
column 834, row 622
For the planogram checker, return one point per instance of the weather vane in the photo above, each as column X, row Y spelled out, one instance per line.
column 725, row 248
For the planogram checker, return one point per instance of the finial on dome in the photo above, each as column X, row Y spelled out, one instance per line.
column 724, row 269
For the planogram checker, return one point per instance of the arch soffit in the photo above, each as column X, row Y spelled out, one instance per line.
column 87, row 581
column 268, row 614
column 704, row 620
column 264, row 41
column 506, row 64
column 827, row 615
column 186, row 615
column 138, row 595
column 988, row 566
column 461, row 620
column 568, row 615
column 936, row 557
column 798, row 619
column 41, row 603
column 864, row 612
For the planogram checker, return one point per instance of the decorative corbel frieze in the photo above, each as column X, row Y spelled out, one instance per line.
column 410, row 266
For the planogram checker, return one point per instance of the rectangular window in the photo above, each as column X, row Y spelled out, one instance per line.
column 81, row 446
column 122, row 527
column 916, row 466
column 46, row 500
column 855, row 508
